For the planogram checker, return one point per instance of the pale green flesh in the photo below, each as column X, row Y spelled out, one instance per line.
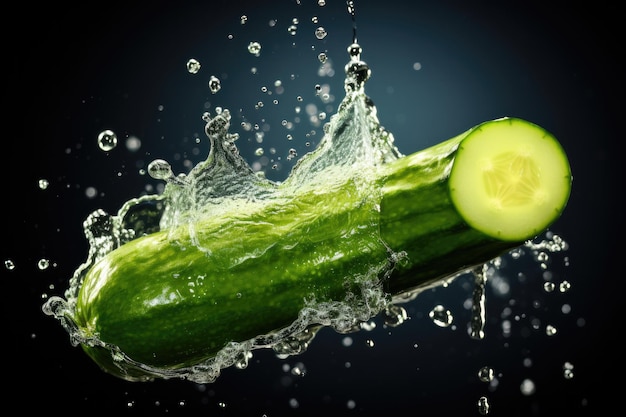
column 510, row 180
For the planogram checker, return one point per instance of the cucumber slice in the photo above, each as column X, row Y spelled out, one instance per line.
column 510, row 179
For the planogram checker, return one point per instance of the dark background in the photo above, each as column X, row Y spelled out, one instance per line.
column 74, row 71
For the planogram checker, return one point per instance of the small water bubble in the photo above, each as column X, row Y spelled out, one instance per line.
column 485, row 374
column 351, row 404
column 133, row 143
column 321, row 3
column 440, row 316
column 292, row 29
column 91, row 192
column 417, row 66
column 243, row 19
column 9, row 264
column 43, row 264
column 483, row 406
column 564, row 286
column 292, row 154
column 347, row 341
column 320, row 33
column 221, row 404
column 354, row 50
column 254, row 48
column 395, row 315
column 322, row 57
column 259, row 152
column 298, row 369
column 367, row 326
column 214, row 84
column 550, row 330
column 43, row 183
column 527, row 387
column 350, row 6
column 549, row 286
column 568, row 370
column 293, row 403
column 369, row 343
column 193, row 66
column 107, row 140
column 160, row 169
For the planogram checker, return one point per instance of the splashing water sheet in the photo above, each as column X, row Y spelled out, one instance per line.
column 260, row 89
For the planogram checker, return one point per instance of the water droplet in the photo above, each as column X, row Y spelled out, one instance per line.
column 527, row 387
column 298, row 369
column 440, row 316
column 485, row 374
column 292, row 154
column 160, row 169
column 214, row 84
column 193, row 66
column 568, row 370
column 254, row 48
column 354, row 50
column 477, row 324
column 483, row 406
column 107, row 140
column 394, row 315
column 43, row 183
column 320, row 33
column 133, row 143
column 43, row 264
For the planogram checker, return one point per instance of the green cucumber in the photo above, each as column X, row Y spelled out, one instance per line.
column 173, row 299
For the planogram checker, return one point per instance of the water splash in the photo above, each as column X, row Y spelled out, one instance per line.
column 354, row 143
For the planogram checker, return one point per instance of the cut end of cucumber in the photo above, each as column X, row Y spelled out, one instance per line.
column 510, row 179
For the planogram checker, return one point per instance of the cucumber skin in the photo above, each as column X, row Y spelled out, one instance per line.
column 417, row 216
column 303, row 251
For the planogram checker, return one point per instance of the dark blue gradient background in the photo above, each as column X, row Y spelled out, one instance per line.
column 74, row 71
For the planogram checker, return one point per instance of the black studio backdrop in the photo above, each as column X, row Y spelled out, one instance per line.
column 438, row 68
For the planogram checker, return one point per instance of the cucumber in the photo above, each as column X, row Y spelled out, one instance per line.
column 174, row 299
